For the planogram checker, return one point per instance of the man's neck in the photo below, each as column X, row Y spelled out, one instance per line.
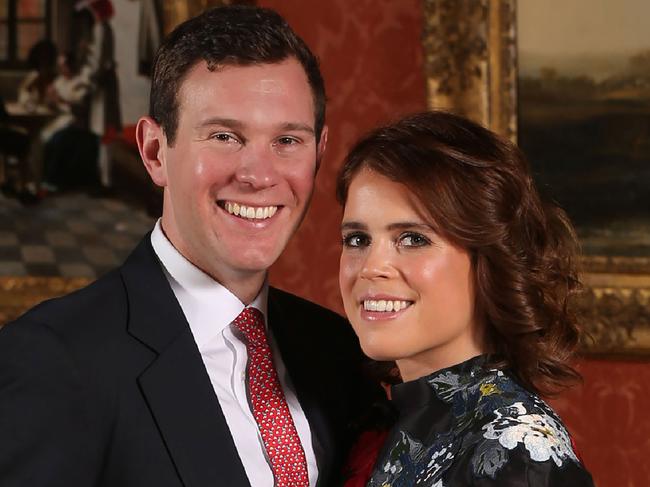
column 245, row 289
column 246, row 285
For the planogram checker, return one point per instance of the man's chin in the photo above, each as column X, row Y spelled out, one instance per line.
column 256, row 262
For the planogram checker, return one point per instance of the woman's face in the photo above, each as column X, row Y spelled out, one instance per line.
column 406, row 290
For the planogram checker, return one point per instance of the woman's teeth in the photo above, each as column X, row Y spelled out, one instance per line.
column 385, row 305
column 253, row 213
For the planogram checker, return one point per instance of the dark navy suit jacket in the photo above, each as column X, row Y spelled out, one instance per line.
column 106, row 387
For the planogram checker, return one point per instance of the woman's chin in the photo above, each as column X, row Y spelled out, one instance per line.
column 378, row 353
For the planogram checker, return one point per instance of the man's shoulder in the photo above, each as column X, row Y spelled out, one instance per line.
column 309, row 323
column 300, row 306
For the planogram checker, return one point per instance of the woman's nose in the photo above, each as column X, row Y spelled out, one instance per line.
column 379, row 262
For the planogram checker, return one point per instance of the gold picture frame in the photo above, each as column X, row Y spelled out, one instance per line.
column 177, row 11
column 471, row 69
column 18, row 294
column 470, row 60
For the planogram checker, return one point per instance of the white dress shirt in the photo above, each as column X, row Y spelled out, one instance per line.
column 210, row 309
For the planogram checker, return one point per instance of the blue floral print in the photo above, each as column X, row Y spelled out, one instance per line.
column 490, row 421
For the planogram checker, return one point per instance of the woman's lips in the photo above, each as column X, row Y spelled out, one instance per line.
column 384, row 308
column 385, row 305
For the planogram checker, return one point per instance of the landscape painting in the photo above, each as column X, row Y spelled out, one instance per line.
column 584, row 117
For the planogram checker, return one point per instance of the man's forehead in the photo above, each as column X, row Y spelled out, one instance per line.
column 258, row 78
column 232, row 84
column 269, row 86
column 232, row 67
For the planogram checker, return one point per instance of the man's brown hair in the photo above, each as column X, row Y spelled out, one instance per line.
column 233, row 35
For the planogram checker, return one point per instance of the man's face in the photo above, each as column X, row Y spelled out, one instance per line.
column 241, row 171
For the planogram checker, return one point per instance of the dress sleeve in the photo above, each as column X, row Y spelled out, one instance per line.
column 45, row 436
column 521, row 471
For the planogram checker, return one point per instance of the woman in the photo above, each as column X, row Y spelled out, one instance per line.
column 454, row 268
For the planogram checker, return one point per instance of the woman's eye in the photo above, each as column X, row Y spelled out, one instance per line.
column 413, row 240
column 355, row 240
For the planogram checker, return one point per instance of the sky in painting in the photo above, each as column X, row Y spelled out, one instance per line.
column 574, row 36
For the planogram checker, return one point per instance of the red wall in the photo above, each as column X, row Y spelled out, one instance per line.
column 372, row 62
column 608, row 417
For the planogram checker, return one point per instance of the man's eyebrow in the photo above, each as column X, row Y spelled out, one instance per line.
column 239, row 125
column 224, row 122
column 299, row 127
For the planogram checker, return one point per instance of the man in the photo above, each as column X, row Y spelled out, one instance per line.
column 183, row 367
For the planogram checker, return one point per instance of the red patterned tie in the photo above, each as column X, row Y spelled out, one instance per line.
column 270, row 408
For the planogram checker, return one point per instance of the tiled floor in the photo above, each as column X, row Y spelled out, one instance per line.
column 69, row 235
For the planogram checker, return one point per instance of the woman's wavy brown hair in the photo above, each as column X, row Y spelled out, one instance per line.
column 479, row 193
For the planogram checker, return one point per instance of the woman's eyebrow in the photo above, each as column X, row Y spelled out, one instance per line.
column 410, row 226
column 407, row 225
column 353, row 226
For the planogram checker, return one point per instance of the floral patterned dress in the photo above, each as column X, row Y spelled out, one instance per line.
column 469, row 425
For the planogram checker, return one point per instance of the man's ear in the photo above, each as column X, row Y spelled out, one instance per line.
column 322, row 143
column 151, row 140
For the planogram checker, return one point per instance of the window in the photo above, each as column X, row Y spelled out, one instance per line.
column 22, row 24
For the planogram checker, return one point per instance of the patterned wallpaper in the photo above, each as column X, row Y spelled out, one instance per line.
column 373, row 65
column 608, row 417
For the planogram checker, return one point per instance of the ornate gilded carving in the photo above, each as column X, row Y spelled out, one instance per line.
column 615, row 310
column 18, row 294
column 503, row 68
column 616, row 264
column 470, row 54
column 456, row 55
column 177, row 11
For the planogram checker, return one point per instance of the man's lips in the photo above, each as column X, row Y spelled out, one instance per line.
column 250, row 212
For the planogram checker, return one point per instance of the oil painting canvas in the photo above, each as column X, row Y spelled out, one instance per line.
column 584, row 116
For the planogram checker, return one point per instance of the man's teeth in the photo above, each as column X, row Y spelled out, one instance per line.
column 384, row 305
column 259, row 213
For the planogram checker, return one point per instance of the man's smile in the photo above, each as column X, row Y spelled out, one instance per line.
column 248, row 211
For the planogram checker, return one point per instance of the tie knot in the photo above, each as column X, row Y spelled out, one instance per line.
column 251, row 323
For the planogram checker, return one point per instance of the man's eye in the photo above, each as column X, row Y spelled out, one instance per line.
column 224, row 137
column 413, row 240
column 355, row 240
column 287, row 141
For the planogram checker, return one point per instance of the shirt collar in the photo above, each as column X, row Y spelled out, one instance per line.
column 208, row 305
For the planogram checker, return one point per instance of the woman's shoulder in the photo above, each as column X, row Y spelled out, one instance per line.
column 480, row 424
column 506, row 428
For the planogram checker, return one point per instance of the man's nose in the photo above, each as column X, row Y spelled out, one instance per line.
column 379, row 262
column 257, row 167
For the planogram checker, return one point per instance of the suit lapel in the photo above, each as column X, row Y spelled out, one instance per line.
column 288, row 335
column 176, row 385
